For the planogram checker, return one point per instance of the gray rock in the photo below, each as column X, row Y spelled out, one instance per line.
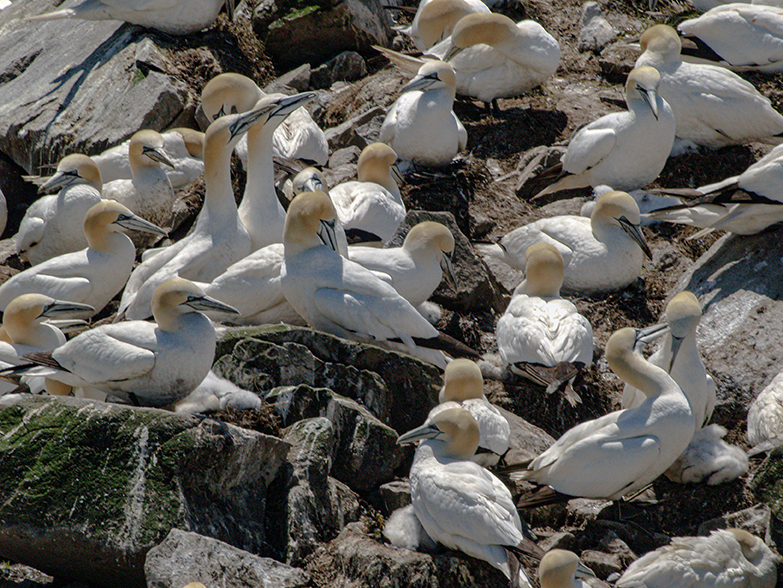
column 595, row 32
column 477, row 287
column 297, row 79
column 188, row 557
column 526, row 441
column 394, row 495
column 345, row 156
column 91, row 487
column 603, row 564
column 347, row 134
column 756, row 520
column 560, row 540
column 348, row 66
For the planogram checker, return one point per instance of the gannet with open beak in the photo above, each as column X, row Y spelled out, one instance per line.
column 52, row 225
column 539, row 327
column 170, row 16
column 435, row 19
column 145, row 363
column 728, row 557
column 601, row 253
column 562, row 569
column 623, row 451
column 458, row 502
column 93, row 275
column 421, row 125
column 218, row 239
column 712, row 106
column 765, row 418
column 625, row 150
column 183, row 147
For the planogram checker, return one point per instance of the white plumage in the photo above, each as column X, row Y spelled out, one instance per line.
column 708, row 458
column 765, row 417
column 435, row 19
column 216, row 393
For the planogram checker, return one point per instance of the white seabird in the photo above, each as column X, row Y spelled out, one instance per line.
column 216, row 393
column 170, row 16
column 625, row 150
column 93, row 275
column 459, row 503
column 183, row 147
column 601, row 253
column 145, row 363
column 712, row 106
column 539, row 327
column 421, row 125
column 623, row 451
column 765, row 418
column 52, row 225
column 562, row 569
column 728, row 557
column 435, row 19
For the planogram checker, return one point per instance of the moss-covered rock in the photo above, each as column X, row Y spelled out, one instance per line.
column 88, row 488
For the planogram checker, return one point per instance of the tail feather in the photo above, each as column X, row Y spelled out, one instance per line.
column 55, row 15
column 449, row 344
column 406, row 63
column 519, row 578
column 542, row 496
column 569, row 182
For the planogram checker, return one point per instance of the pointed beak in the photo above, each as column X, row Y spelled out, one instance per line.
column 395, row 172
column 582, row 571
column 60, row 307
column 649, row 334
column 448, row 271
column 313, row 184
column 136, row 223
column 287, row 105
column 66, row 325
column 650, row 98
column 676, row 344
column 327, row 234
column 421, row 83
column 453, row 52
column 247, row 119
column 59, row 181
column 635, row 232
column 426, row 431
column 158, row 155
column 205, row 302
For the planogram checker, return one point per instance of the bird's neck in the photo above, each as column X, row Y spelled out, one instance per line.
column 219, row 200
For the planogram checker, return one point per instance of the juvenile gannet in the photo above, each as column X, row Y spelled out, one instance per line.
column 373, row 204
column 601, row 253
column 538, row 326
column 561, row 569
column 184, row 148
column 218, row 239
column 52, row 225
column 728, row 557
column 435, row 19
column 416, row 268
column 708, row 458
column 170, row 16
column 216, row 393
column 622, row 451
column 93, row 275
column 421, row 125
column 459, row 503
column 765, row 418
column 712, row 106
column 146, row 363
column 625, row 150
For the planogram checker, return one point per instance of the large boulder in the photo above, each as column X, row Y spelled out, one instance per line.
column 90, row 487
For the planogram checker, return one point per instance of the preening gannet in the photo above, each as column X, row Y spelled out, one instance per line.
column 728, row 557
column 142, row 362
column 421, row 125
column 373, row 204
column 53, row 224
column 184, row 147
column 170, row 16
column 561, row 569
column 712, row 106
column 601, row 253
column 625, row 150
column 416, row 268
column 218, row 239
column 538, row 326
column 435, row 19
column 622, row 451
column 765, row 417
column 93, row 275
column 463, row 387
column 459, row 503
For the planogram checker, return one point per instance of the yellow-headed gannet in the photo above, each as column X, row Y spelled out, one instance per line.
column 435, row 19
column 421, row 125
column 52, row 225
column 765, row 418
column 170, row 16
column 146, row 363
column 310, row 179
column 459, row 503
column 623, row 451
column 625, row 150
column 218, row 239
column 601, row 253
column 416, row 268
column 183, row 147
column 538, row 326
column 728, row 557
column 562, row 569
column 93, row 275
column 712, row 106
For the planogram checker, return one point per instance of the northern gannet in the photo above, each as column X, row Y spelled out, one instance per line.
column 623, row 451
column 562, row 569
column 93, row 275
column 311, row 179
column 218, row 239
column 416, row 268
column 712, row 106
column 601, row 253
column 421, row 125
column 728, row 557
column 539, row 327
column 765, row 418
column 52, row 225
column 459, row 503
column 184, row 148
column 216, row 393
column 625, row 150
column 435, row 19
column 144, row 363
column 170, row 16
